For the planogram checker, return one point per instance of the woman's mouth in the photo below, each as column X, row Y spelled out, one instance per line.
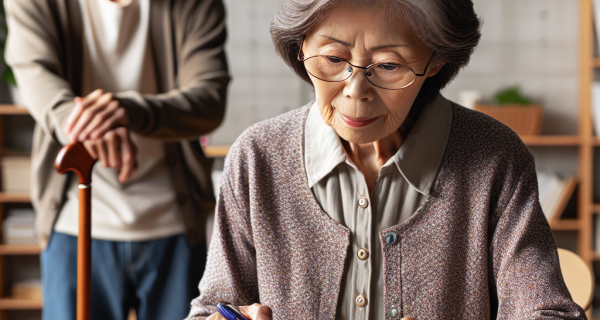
column 357, row 123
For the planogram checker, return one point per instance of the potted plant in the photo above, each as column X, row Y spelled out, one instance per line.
column 519, row 113
column 8, row 76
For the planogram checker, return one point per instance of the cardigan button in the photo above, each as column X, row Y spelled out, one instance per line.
column 361, row 301
column 391, row 238
column 394, row 312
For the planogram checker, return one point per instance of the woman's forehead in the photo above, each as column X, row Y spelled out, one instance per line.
column 374, row 26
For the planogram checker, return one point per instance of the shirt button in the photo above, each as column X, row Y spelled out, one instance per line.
column 361, row 301
column 363, row 254
column 363, row 203
column 394, row 312
column 391, row 238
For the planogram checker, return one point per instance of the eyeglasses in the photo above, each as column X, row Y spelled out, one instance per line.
column 390, row 76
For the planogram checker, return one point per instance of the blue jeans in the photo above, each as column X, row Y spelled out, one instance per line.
column 158, row 278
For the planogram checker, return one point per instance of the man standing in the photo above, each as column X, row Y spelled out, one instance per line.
column 137, row 81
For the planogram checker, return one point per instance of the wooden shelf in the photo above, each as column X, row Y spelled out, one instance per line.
column 11, row 109
column 19, row 250
column 216, row 151
column 542, row 140
column 7, row 197
column 14, row 304
column 565, row 225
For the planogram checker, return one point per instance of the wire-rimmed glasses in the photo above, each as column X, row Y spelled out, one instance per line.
column 389, row 76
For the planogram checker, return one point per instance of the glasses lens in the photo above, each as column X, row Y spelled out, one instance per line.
column 390, row 76
column 328, row 68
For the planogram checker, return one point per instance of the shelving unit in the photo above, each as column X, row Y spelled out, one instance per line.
column 7, row 303
column 588, row 141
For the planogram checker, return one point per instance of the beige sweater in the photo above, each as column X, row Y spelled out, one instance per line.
column 44, row 48
column 478, row 248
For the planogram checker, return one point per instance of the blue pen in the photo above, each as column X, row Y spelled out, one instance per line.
column 229, row 311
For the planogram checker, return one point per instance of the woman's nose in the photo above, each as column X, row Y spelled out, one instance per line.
column 358, row 87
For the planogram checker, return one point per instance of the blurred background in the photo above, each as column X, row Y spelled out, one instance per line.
column 533, row 48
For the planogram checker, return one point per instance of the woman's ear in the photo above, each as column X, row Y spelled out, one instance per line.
column 435, row 70
column 301, row 51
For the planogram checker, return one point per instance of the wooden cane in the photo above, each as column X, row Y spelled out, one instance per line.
column 75, row 157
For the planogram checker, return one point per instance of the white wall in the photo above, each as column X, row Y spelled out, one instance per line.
column 263, row 86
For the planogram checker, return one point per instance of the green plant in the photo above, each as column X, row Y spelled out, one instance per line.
column 8, row 75
column 511, row 95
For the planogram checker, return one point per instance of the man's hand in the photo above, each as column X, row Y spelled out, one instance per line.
column 253, row 312
column 115, row 150
column 94, row 115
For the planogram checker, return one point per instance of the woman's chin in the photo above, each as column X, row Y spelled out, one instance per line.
column 367, row 134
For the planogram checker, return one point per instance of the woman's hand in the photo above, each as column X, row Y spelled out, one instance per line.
column 253, row 312
column 115, row 150
column 94, row 115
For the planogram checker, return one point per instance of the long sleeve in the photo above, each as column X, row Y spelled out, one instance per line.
column 194, row 106
column 197, row 105
column 231, row 272
column 525, row 265
column 33, row 51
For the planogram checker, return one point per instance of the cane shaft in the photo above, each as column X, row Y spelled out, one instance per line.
column 84, row 254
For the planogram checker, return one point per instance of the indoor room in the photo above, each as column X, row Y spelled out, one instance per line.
column 209, row 95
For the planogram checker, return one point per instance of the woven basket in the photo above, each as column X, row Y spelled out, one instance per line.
column 524, row 120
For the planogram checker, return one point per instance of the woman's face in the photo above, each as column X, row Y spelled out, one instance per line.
column 358, row 111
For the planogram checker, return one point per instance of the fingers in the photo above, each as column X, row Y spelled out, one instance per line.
column 216, row 316
column 90, row 146
column 110, row 118
column 99, row 120
column 115, row 150
column 94, row 115
column 89, row 112
column 80, row 104
column 257, row 312
column 128, row 155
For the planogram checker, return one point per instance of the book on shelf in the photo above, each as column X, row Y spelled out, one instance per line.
column 18, row 227
column 554, row 193
column 27, row 290
column 596, row 5
column 596, row 106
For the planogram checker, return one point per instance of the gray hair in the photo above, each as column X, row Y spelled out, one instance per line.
column 450, row 28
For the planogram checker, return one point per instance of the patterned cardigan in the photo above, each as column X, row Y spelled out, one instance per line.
column 478, row 248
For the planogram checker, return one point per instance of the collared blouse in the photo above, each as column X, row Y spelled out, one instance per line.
column 403, row 184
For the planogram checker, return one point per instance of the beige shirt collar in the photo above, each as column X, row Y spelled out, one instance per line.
column 418, row 160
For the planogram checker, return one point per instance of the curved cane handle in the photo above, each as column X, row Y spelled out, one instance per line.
column 74, row 157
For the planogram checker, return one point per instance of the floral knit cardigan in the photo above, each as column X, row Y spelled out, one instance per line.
column 478, row 248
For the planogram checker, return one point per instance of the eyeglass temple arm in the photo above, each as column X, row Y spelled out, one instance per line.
column 427, row 66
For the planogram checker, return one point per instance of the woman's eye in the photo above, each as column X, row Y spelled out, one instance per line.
column 335, row 59
column 388, row 66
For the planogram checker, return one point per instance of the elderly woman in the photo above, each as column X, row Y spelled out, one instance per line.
column 382, row 199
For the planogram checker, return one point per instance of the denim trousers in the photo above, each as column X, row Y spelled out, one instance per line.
column 157, row 278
